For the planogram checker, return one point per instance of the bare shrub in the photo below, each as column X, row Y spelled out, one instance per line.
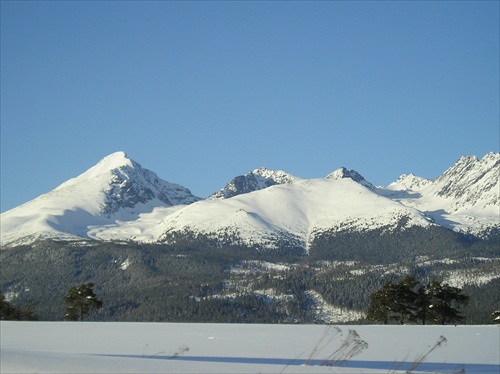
column 420, row 359
column 350, row 347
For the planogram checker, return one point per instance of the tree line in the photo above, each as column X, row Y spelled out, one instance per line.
column 80, row 302
column 396, row 302
column 10, row 312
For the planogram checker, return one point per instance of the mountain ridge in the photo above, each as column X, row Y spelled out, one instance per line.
column 466, row 195
column 117, row 199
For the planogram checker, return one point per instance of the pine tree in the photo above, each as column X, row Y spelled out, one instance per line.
column 404, row 299
column 422, row 305
column 443, row 298
column 28, row 312
column 81, row 300
column 380, row 304
column 407, row 300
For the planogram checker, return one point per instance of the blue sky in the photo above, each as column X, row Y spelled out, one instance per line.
column 201, row 92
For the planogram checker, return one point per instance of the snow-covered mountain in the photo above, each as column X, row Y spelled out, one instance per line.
column 466, row 197
column 118, row 200
column 289, row 214
column 117, row 189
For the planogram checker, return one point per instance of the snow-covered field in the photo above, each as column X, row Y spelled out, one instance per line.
column 87, row 347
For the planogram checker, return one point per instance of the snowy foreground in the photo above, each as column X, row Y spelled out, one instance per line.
column 65, row 347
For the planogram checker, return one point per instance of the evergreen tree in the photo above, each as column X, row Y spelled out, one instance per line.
column 80, row 301
column 10, row 312
column 7, row 311
column 407, row 300
column 421, row 305
column 443, row 298
column 28, row 312
column 380, row 304
column 404, row 298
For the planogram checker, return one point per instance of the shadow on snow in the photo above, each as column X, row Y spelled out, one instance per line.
column 382, row 365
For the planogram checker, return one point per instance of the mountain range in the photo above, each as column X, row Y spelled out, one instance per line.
column 118, row 200
column 268, row 247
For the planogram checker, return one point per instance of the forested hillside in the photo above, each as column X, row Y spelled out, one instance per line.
column 331, row 284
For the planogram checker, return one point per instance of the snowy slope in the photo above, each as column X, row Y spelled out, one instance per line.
column 290, row 212
column 114, row 190
column 74, row 347
column 465, row 198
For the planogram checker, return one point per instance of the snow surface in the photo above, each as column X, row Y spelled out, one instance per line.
column 88, row 347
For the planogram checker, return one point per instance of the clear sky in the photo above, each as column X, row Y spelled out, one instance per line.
column 200, row 92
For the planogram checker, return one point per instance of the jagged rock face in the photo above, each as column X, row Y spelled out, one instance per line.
column 127, row 193
column 117, row 182
column 467, row 184
column 464, row 198
column 471, row 181
column 131, row 185
column 255, row 180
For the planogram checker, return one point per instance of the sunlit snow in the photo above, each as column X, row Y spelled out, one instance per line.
column 86, row 347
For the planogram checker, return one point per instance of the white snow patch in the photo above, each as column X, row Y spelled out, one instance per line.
column 329, row 314
column 125, row 264
column 459, row 278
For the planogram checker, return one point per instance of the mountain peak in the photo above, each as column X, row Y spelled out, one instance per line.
column 277, row 176
column 471, row 180
column 409, row 182
column 115, row 160
column 343, row 173
column 255, row 180
column 115, row 189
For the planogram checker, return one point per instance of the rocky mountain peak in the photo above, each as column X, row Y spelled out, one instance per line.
column 278, row 176
column 255, row 180
column 119, row 182
column 343, row 173
column 115, row 189
column 111, row 164
column 471, row 180
column 411, row 182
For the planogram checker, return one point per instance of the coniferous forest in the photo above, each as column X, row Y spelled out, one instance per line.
column 205, row 282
